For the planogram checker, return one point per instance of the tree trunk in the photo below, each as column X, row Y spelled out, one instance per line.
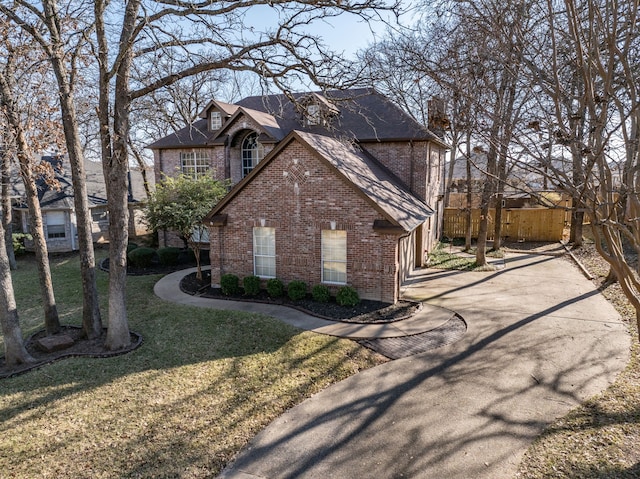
column 468, row 213
column 487, row 192
column 91, row 319
column 577, row 218
column 452, row 163
column 118, row 336
column 115, row 165
column 141, row 165
column 14, row 350
column 497, row 225
column 51, row 320
column 7, row 212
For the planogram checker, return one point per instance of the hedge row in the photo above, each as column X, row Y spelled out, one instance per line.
column 296, row 290
column 143, row 257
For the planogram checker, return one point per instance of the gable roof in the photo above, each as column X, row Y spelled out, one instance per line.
column 360, row 114
column 226, row 108
column 62, row 198
column 267, row 122
column 370, row 179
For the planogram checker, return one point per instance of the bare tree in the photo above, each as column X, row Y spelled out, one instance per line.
column 7, row 207
column 61, row 36
column 14, row 350
column 132, row 64
column 33, row 111
column 588, row 82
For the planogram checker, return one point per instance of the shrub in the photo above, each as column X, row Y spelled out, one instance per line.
column 186, row 256
column 275, row 288
column 251, row 285
column 169, row 255
column 141, row 257
column 131, row 247
column 229, row 283
column 18, row 242
column 297, row 290
column 321, row 293
column 347, row 296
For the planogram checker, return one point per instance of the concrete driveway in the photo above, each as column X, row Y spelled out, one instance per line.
column 540, row 340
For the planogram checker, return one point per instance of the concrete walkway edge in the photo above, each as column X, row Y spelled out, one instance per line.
column 428, row 318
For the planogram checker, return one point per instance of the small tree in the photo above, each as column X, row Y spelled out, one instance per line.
column 179, row 204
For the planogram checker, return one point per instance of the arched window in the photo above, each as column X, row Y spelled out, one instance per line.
column 252, row 153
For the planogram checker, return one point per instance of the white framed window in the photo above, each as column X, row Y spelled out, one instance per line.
column 252, row 153
column 264, row 252
column 334, row 256
column 215, row 121
column 194, row 164
column 56, row 224
column 200, row 234
column 313, row 114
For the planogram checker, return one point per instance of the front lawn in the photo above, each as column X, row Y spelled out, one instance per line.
column 201, row 385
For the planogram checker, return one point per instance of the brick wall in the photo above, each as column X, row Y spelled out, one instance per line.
column 299, row 214
column 168, row 161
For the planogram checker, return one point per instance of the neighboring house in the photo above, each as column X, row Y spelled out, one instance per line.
column 336, row 189
column 58, row 210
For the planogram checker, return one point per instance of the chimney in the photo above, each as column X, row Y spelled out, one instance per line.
column 438, row 121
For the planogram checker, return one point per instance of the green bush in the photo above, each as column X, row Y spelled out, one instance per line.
column 251, row 285
column 275, row 288
column 347, row 296
column 186, row 256
column 131, row 247
column 141, row 257
column 169, row 255
column 230, row 284
column 321, row 293
column 18, row 242
column 297, row 290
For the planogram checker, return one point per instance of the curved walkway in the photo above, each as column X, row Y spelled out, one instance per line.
column 428, row 318
column 540, row 341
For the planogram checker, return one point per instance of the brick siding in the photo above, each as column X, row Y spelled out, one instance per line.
column 299, row 215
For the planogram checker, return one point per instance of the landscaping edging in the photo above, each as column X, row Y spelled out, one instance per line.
column 136, row 342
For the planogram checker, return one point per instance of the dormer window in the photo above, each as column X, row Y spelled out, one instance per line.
column 313, row 114
column 215, row 120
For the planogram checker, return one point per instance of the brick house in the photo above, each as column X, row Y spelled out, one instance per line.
column 335, row 189
column 58, row 207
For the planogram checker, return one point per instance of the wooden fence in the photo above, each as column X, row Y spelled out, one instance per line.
column 521, row 224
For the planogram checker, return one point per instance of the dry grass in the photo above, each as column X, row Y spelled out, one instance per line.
column 599, row 439
column 202, row 384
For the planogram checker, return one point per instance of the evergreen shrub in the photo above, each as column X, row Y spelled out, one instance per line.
column 347, row 296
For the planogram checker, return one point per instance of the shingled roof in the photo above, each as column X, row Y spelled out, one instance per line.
column 359, row 169
column 62, row 197
column 361, row 114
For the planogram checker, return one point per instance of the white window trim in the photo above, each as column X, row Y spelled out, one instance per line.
column 272, row 257
column 215, row 120
column 56, row 218
column 257, row 154
column 194, row 164
column 333, row 260
column 200, row 234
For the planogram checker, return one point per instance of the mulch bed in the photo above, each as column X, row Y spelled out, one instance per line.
column 155, row 268
column 81, row 348
column 366, row 311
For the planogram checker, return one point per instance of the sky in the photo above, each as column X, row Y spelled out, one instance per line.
column 346, row 33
